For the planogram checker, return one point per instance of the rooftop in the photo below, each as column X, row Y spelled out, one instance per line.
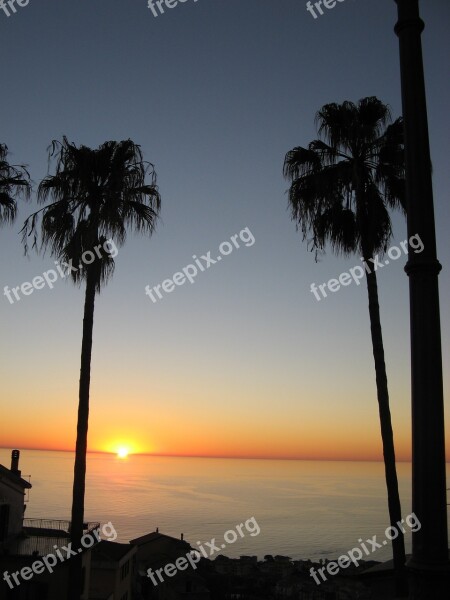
column 111, row 551
column 155, row 536
column 14, row 477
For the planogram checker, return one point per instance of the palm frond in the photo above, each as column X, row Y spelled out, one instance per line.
column 96, row 194
column 343, row 183
column 15, row 182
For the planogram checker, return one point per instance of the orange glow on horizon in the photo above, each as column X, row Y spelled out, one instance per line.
column 371, row 451
column 312, row 432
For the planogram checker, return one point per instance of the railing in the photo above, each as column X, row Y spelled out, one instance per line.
column 40, row 536
column 58, row 525
column 47, row 524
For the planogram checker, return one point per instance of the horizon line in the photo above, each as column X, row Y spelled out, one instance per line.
column 163, row 455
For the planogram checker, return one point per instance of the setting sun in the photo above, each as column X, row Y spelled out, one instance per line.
column 122, row 446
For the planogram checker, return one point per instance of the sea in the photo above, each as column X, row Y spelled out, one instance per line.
column 301, row 509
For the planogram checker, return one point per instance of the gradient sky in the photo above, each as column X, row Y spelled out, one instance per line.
column 244, row 362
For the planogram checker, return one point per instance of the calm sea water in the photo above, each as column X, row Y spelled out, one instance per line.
column 304, row 509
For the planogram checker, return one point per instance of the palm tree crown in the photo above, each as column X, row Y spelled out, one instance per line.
column 96, row 194
column 344, row 184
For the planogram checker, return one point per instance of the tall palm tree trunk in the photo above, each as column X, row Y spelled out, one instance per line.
column 79, row 481
column 398, row 544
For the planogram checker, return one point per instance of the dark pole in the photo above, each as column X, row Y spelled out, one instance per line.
column 429, row 565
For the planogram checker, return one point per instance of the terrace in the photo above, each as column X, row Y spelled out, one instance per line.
column 42, row 536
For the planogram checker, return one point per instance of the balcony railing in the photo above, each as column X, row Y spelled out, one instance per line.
column 40, row 537
column 54, row 526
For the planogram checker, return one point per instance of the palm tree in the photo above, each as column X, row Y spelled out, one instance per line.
column 342, row 188
column 14, row 181
column 96, row 195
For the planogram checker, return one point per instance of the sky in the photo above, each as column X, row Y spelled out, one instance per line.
column 244, row 361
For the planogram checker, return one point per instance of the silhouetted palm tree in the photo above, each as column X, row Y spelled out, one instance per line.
column 96, row 195
column 342, row 187
column 14, row 181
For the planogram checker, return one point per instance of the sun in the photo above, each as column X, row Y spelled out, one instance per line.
column 121, row 447
column 122, row 452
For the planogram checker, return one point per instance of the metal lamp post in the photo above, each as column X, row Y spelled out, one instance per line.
column 429, row 566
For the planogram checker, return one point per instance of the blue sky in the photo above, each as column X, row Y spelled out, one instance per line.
column 215, row 92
